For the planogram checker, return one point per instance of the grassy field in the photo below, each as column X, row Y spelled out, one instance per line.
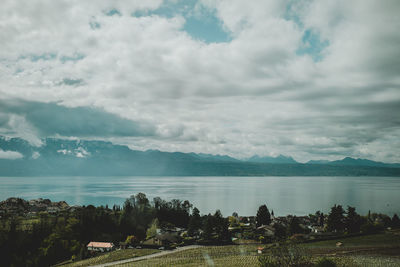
column 245, row 255
column 112, row 256
column 387, row 244
column 386, row 239
column 371, row 250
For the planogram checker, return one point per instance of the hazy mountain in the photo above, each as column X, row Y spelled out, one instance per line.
column 214, row 157
column 348, row 161
column 58, row 157
column 318, row 162
column 266, row 159
column 361, row 162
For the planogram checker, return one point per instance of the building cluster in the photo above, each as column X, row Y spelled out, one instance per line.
column 18, row 206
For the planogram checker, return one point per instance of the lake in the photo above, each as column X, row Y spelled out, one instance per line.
column 284, row 195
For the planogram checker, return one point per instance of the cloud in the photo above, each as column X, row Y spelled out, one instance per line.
column 50, row 119
column 35, row 155
column 305, row 78
column 10, row 154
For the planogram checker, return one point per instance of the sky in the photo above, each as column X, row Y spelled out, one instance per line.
column 307, row 79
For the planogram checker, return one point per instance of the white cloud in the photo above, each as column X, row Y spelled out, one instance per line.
column 64, row 151
column 17, row 126
column 35, row 155
column 80, row 152
column 255, row 94
column 10, row 154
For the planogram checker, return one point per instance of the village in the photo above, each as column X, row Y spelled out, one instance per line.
column 58, row 232
column 261, row 229
column 242, row 229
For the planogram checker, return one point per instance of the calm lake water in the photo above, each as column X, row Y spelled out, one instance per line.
column 285, row 195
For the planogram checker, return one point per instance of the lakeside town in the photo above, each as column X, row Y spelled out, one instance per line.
column 60, row 233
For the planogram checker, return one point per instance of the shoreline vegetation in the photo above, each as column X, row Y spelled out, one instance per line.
column 43, row 233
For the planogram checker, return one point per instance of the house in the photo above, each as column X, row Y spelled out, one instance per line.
column 317, row 229
column 168, row 238
column 266, row 230
column 100, row 246
column 152, row 242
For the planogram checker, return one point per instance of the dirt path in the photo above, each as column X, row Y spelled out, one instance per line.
column 159, row 254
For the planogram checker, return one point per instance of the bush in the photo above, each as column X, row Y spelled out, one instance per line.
column 324, row 262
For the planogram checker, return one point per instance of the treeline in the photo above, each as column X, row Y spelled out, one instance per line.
column 50, row 239
column 339, row 222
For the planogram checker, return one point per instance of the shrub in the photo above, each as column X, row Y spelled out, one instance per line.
column 371, row 228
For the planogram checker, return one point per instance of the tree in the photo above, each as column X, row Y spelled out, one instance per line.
column 152, row 230
column 336, row 219
column 221, row 225
column 131, row 240
column 208, row 227
column 194, row 222
column 263, row 216
column 395, row 221
column 233, row 221
column 352, row 221
column 294, row 226
column 141, row 201
column 127, row 217
column 321, row 219
column 280, row 230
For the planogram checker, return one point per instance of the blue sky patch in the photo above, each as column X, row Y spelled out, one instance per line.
column 94, row 25
column 113, row 12
column 201, row 23
column 71, row 82
column 291, row 13
column 44, row 56
column 74, row 58
column 312, row 45
column 311, row 42
column 208, row 29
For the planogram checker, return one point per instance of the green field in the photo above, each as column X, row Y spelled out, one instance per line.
column 386, row 239
column 371, row 250
column 112, row 256
column 245, row 255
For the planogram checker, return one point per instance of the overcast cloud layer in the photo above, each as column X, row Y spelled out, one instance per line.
column 310, row 79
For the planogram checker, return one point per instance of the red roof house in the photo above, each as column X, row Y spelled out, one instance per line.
column 100, row 246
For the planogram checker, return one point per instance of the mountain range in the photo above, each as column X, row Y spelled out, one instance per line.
column 60, row 157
